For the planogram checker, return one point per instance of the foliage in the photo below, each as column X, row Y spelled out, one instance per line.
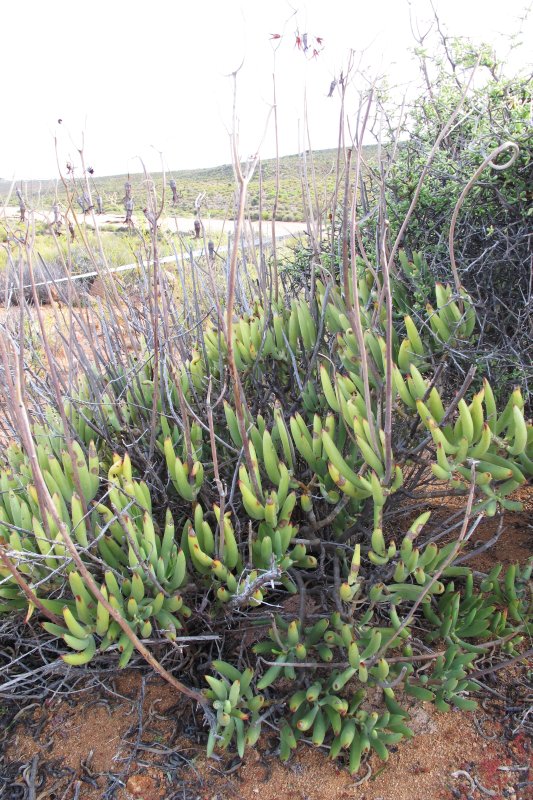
column 491, row 241
column 207, row 515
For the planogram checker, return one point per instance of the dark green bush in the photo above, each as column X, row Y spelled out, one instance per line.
column 492, row 240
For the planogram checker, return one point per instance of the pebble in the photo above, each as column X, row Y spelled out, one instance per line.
column 142, row 787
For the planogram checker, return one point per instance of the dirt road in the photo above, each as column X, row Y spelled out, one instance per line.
column 183, row 225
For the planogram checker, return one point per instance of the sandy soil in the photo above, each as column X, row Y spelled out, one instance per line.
column 94, row 738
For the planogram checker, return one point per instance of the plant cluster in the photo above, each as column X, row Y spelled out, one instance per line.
column 255, row 461
column 167, row 495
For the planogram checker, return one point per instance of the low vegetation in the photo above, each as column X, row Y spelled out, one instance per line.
column 256, row 450
column 214, row 185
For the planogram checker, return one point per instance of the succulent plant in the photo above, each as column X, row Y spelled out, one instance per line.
column 279, row 488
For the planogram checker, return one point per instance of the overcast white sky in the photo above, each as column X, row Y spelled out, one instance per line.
column 142, row 77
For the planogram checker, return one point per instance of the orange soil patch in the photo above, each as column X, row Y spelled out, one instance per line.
column 95, row 740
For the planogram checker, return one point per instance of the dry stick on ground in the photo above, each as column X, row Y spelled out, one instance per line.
column 250, row 587
column 502, row 665
column 485, row 545
column 411, row 659
column 46, row 505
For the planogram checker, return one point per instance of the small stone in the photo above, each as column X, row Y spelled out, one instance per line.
column 142, row 786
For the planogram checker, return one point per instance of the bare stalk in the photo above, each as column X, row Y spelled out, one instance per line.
column 216, row 472
column 354, row 306
column 243, row 181
column 275, row 278
column 444, row 132
column 387, row 428
column 489, row 161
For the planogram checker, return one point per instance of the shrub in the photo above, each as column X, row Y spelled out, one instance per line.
column 213, row 460
column 164, row 495
column 43, row 276
column 491, row 240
